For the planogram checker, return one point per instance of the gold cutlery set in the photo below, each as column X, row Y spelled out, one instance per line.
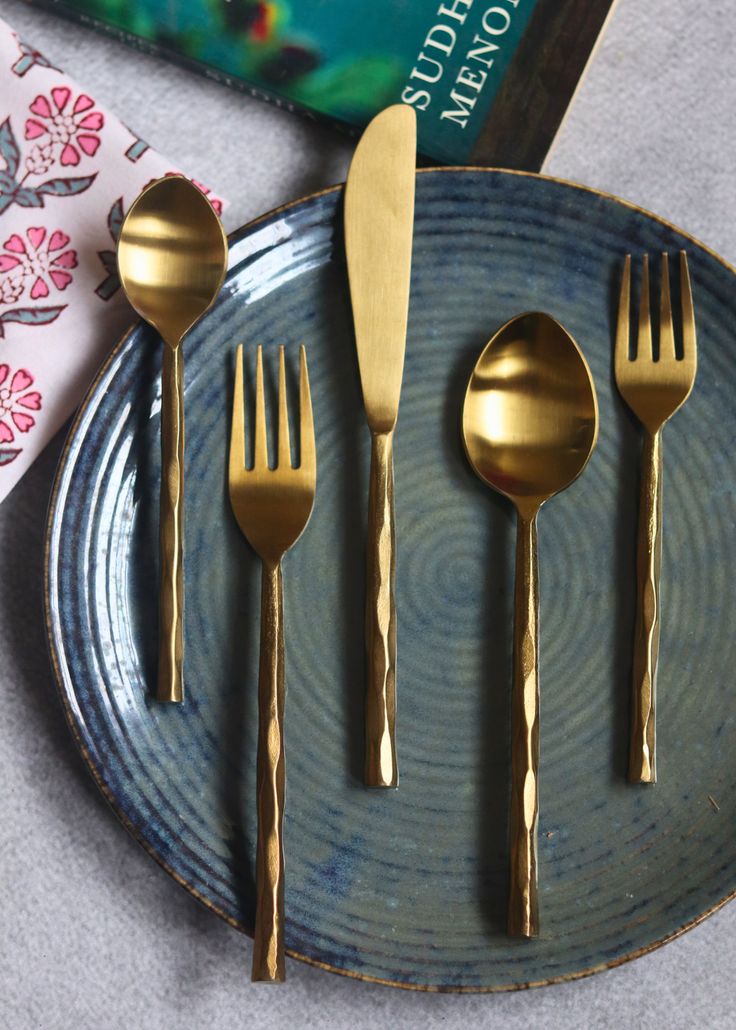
column 529, row 426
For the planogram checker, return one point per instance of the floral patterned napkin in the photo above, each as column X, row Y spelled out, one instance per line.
column 68, row 171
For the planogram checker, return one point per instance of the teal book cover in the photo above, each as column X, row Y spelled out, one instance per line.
column 490, row 80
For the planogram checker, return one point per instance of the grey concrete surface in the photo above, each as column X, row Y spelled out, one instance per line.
column 92, row 934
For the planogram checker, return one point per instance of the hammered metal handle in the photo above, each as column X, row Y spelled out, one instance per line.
column 171, row 528
column 268, row 938
column 642, row 751
column 381, row 768
column 523, row 916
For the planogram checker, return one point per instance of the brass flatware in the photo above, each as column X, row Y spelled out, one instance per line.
column 272, row 507
column 379, row 223
column 530, row 423
column 654, row 389
column 172, row 258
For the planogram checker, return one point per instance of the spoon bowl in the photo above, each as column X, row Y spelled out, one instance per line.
column 530, row 423
column 530, row 420
column 172, row 256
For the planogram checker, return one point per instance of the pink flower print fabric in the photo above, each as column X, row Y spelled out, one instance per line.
column 17, row 401
column 40, row 263
column 72, row 128
column 69, row 170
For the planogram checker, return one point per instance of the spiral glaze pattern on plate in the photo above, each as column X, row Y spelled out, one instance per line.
column 410, row 886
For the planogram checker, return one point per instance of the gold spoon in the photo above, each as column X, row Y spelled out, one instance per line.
column 530, row 423
column 172, row 258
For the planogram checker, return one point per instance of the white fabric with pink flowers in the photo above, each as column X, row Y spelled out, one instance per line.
column 68, row 171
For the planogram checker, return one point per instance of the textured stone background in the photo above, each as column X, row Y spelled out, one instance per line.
column 94, row 935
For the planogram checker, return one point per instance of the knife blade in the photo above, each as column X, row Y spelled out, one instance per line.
column 379, row 224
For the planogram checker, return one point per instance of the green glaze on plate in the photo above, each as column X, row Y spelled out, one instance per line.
column 409, row 887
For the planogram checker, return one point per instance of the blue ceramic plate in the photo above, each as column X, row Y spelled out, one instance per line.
column 409, row 887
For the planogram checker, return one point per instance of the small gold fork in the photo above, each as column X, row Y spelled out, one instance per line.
column 654, row 390
column 272, row 508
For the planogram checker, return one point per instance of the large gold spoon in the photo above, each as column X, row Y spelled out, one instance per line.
column 172, row 258
column 530, row 423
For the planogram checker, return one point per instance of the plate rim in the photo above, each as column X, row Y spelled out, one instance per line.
column 53, row 508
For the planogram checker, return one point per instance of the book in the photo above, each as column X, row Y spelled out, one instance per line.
column 490, row 80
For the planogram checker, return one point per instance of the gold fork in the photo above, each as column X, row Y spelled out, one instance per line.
column 272, row 507
column 654, row 390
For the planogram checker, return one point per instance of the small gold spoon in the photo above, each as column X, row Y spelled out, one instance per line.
column 172, row 258
column 530, row 423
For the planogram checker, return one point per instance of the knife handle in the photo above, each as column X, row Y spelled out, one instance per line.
column 381, row 769
column 171, row 528
column 523, row 916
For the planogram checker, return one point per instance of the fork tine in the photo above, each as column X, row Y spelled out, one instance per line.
column 284, row 458
column 260, row 443
column 307, row 456
column 237, row 426
column 621, row 350
column 666, row 328
column 644, row 338
column 689, row 346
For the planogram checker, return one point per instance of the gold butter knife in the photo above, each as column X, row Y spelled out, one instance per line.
column 379, row 223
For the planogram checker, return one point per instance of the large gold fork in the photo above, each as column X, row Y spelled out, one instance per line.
column 272, row 507
column 654, row 390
